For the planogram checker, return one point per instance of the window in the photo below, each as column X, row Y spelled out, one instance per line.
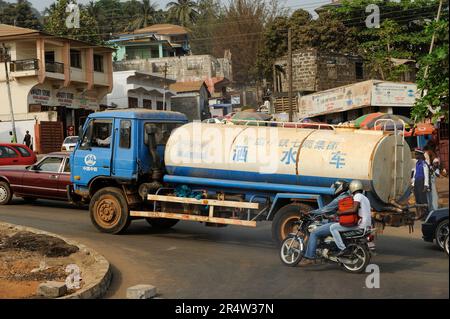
column 359, row 70
column 67, row 166
column 50, row 56
column 50, row 164
column 162, row 131
column 23, row 151
column 98, row 134
column 147, row 104
column 132, row 102
column 7, row 152
column 160, row 105
column 75, row 59
column 98, row 63
column 125, row 134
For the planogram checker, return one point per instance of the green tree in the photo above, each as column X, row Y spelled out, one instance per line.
column 183, row 12
column 202, row 32
column 433, row 76
column 55, row 23
column 145, row 15
column 20, row 14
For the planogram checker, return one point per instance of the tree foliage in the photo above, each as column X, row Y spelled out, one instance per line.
column 433, row 76
column 56, row 23
column 21, row 14
column 183, row 12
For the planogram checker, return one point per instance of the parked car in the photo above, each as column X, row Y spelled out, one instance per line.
column 46, row 179
column 435, row 227
column 69, row 143
column 16, row 154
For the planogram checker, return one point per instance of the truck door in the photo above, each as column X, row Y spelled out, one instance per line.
column 124, row 164
column 93, row 156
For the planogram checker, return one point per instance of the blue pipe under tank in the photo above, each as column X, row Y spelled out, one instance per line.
column 267, row 187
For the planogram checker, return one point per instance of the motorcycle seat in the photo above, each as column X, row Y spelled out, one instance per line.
column 356, row 233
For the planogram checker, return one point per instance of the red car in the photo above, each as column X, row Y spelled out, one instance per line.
column 47, row 179
column 16, row 154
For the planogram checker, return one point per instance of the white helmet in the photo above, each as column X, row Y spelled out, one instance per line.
column 355, row 185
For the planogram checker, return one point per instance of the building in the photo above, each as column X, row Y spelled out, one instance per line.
column 137, row 89
column 314, row 70
column 216, row 73
column 191, row 99
column 156, row 41
column 346, row 103
column 53, row 79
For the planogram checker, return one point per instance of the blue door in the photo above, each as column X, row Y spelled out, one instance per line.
column 124, row 158
column 92, row 157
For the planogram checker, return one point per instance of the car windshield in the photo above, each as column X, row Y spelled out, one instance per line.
column 71, row 140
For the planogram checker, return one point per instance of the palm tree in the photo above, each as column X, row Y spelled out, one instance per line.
column 145, row 15
column 183, row 11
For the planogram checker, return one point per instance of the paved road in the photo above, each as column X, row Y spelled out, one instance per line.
column 194, row 261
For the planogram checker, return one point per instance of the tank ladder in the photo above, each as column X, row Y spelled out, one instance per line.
column 400, row 145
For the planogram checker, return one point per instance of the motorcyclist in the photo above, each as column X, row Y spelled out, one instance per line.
column 361, row 205
column 341, row 190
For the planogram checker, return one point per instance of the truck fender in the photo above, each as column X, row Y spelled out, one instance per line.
column 284, row 199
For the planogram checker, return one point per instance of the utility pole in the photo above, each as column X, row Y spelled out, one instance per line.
column 425, row 73
column 291, row 111
column 165, row 80
column 5, row 57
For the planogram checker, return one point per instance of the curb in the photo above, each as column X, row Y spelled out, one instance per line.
column 103, row 279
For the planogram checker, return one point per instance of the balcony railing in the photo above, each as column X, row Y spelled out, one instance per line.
column 25, row 65
column 54, row 67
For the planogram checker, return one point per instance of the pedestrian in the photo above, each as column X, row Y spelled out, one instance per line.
column 13, row 137
column 433, row 196
column 27, row 139
column 421, row 182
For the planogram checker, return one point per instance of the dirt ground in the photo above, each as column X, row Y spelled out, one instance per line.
column 28, row 259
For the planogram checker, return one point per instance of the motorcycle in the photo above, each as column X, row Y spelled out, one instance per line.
column 360, row 244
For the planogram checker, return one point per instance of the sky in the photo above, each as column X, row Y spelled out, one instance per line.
column 292, row 4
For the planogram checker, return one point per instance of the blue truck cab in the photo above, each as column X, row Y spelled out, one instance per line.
column 120, row 151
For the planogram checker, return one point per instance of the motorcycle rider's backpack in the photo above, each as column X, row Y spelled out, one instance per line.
column 347, row 220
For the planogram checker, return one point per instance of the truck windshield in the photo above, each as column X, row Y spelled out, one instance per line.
column 98, row 134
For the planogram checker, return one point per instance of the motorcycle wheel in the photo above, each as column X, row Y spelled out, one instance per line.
column 291, row 251
column 360, row 257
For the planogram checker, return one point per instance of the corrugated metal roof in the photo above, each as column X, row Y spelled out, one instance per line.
column 144, row 114
column 9, row 30
column 164, row 29
column 193, row 86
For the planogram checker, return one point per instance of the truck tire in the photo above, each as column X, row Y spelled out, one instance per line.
column 282, row 223
column 5, row 193
column 109, row 211
column 162, row 223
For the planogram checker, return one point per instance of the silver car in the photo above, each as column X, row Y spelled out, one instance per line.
column 69, row 143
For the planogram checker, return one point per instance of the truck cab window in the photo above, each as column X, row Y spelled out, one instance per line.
column 162, row 132
column 98, row 134
column 125, row 134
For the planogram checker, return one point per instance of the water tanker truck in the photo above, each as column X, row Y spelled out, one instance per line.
column 136, row 163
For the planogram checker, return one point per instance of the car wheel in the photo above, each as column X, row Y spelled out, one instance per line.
column 5, row 193
column 441, row 232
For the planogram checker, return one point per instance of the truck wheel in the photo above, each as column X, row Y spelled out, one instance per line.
column 283, row 222
column 109, row 211
column 5, row 193
column 162, row 223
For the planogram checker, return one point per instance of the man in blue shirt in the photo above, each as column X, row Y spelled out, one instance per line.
column 341, row 191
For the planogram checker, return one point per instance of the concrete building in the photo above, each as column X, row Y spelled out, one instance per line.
column 348, row 102
column 136, row 89
column 314, row 70
column 191, row 99
column 156, row 41
column 215, row 72
column 53, row 79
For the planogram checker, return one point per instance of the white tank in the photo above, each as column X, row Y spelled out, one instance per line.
column 291, row 156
